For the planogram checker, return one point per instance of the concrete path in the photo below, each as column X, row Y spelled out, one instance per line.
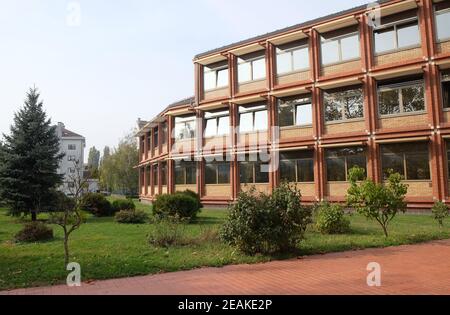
column 416, row 269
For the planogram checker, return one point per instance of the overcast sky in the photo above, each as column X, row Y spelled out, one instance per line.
column 123, row 59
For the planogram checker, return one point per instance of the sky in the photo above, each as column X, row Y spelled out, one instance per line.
column 102, row 64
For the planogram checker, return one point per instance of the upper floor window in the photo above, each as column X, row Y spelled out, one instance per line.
column 340, row 161
column 443, row 21
column 71, row 158
column 185, row 172
column 164, row 133
column 253, row 118
column 402, row 97
column 252, row 172
column 339, row 46
column 72, row 170
column 142, row 144
column 155, row 138
column 217, row 173
column 343, row 105
column 411, row 160
column 252, row 67
column 295, row 112
column 297, row 167
column 185, row 127
column 149, row 140
column 397, row 32
column 292, row 57
column 72, row 147
column 446, row 89
column 217, row 123
column 215, row 76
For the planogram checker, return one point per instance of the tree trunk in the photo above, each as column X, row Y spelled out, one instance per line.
column 66, row 250
column 385, row 231
column 33, row 216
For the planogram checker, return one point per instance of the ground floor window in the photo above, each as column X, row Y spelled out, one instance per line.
column 155, row 175
column 340, row 161
column 297, row 166
column 148, row 175
column 411, row 160
column 217, row 173
column 164, row 173
column 185, row 172
column 252, row 172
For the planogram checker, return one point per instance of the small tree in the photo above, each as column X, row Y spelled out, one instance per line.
column 380, row 202
column 67, row 213
column 440, row 212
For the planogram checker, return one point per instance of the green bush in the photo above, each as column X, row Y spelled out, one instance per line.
column 168, row 231
column 330, row 219
column 194, row 195
column 97, row 204
column 123, row 204
column 261, row 223
column 178, row 204
column 440, row 212
column 34, row 232
column 131, row 216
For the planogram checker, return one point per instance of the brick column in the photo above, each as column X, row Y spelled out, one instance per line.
column 234, row 168
column 272, row 110
column 170, row 167
column 270, row 65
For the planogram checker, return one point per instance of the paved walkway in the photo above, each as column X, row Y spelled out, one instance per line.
column 417, row 269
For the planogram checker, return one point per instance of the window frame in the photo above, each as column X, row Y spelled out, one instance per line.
column 155, row 138
column 155, row 172
column 164, row 133
column 185, row 121
column 346, row 169
column 251, row 61
column 442, row 80
column 296, row 169
column 254, row 164
column 72, row 147
column 184, row 168
column 253, row 110
column 436, row 13
column 216, row 71
column 395, row 25
column 399, row 87
column 296, row 103
column 344, row 118
column 216, row 165
column 291, row 52
column 339, row 39
column 216, row 116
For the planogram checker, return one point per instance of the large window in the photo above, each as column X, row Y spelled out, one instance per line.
column 253, row 118
column 148, row 174
column 446, row 89
column 217, row 123
column 343, row 105
column 292, row 57
column 397, row 33
column 340, row 161
column 337, row 47
column 155, row 175
column 403, row 97
column 149, row 140
column 251, row 172
column 443, row 21
column 297, row 167
column 251, row 67
column 185, row 127
column 185, row 172
column 411, row 160
column 142, row 144
column 164, row 133
column 295, row 112
column 164, row 173
column 72, row 147
column 215, row 76
column 155, row 138
column 217, row 173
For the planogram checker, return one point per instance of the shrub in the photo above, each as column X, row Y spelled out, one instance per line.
column 259, row 223
column 123, row 204
column 168, row 231
column 440, row 212
column 194, row 195
column 330, row 219
column 178, row 204
column 97, row 204
column 131, row 216
column 34, row 232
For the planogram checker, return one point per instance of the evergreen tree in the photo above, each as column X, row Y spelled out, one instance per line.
column 30, row 156
column 94, row 161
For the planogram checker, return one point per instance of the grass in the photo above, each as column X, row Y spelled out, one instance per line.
column 106, row 249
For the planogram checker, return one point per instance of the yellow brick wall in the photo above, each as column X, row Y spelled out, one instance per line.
column 218, row 190
column 398, row 56
column 337, row 189
column 252, row 86
column 259, row 187
column 217, row 93
column 443, row 47
column 293, row 77
column 307, row 189
column 185, row 187
column 336, row 128
column 287, row 133
column 341, row 68
column 420, row 189
column 403, row 121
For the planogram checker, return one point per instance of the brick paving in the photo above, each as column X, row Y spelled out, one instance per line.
column 416, row 269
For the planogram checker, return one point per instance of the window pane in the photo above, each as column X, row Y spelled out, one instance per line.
column 417, row 166
column 261, row 120
column 191, row 173
column 301, row 58
column 179, row 131
column 305, row 170
column 259, row 69
column 413, row 98
column 190, row 129
column 392, row 161
column 446, row 94
column 246, row 173
column 260, row 176
column 304, row 115
column 210, row 80
column 211, row 127
column 358, row 160
column 179, row 175
column 155, row 175
column 333, row 109
column 224, row 126
column 223, row 170
column 286, row 116
column 246, row 122
column 350, row 47
column 330, row 52
column 244, row 72
column 284, row 62
column 164, row 174
column 388, row 102
column 443, row 25
column 210, row 174
column 336, row 169
column 408, row 35
column 287, row 171
column 384, row 40
column 222, row 78
column 353, row 106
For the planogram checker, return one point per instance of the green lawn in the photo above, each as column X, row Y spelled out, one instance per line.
column 106, row 249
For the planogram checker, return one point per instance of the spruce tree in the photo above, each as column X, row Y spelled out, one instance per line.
column 30, row 158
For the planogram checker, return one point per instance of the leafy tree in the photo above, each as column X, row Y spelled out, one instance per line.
column 440, row 212
column 380, row 202
column 30, row 159
column 94, row 161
